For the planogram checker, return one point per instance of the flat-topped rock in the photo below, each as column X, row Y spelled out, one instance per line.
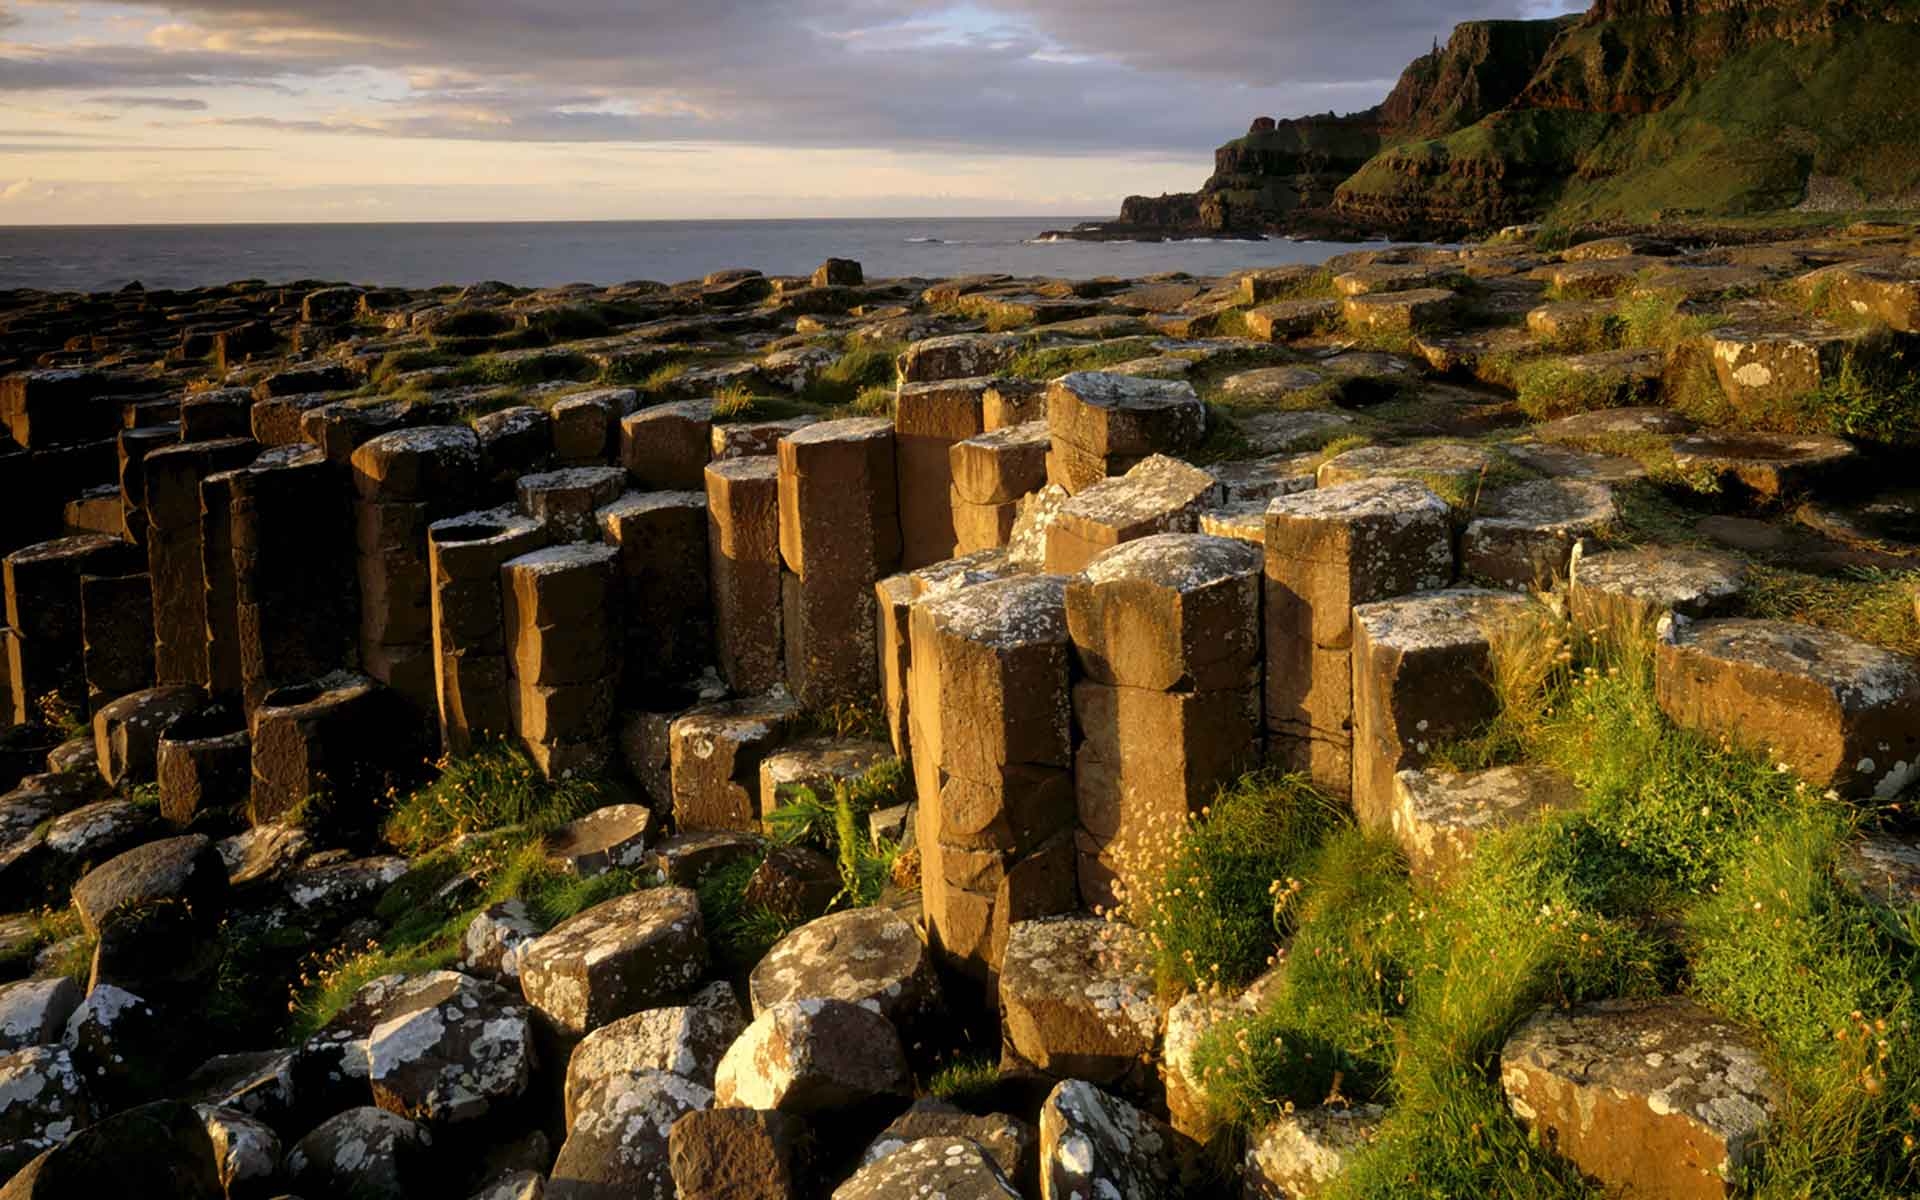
column 1885, row 289
column 1173, row 611
column 1400, row 311
column 1283, row 432
column 1635, row 587
column 1652, row 1098
column 1452, row 461
column 1769, row 465
column 1287, row 319
column 959, row 356
column 34, row 1012
column 1377, row 278
column 688, row 1041
column 1837, row 710
column 716, row 753
column 363, row 1152
column 955, row 1168
column 1770, row 362
column 813, row 1056
column 449, row 1049
column 738, row 1154
column 617, row 1141
column 609, row 838
column 1121, row 416
column 566, row 500
column 1258, row 480
column 1159, row 495
column 1608, row 423
column 870, row 957
column 1439, row 817
column 815, row 765
column 1010, row 1142
column 1077, row 999
column 615, row 958
column 1522, row 536
column 186, row 869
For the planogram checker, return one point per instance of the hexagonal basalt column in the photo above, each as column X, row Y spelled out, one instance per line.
column 662, row 538
column 171, row 479
column 929, row 419
column 563, row 623
column 45, row 656
column 743, row 548
column 1328, row 550
column 1103, row 424
column 1157, row 495
column 472, row 675
column 839, row 533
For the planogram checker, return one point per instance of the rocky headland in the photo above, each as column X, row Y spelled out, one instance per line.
column 1447, row 718
column 1684, row 114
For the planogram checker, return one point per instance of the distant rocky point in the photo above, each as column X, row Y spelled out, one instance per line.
column 1637, row 113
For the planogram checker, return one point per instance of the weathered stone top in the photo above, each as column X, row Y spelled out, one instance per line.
column 1884, row 868
column 425, row 439
column 1027, row 433
column 1548, row 504
column 635, row 504
column 684, row 410
column 1671, row 577
column 569, row 478
column 952, row 574
column 1402, row 500
column 489, row 525
column 1430, row 620
column 66, row 547
column 847, row 429
column 1427, row 458
column 1758, row 447
column 1676, row 1055
column 1859, row 674
column 571, row 556
column 866, row 956
column 1154, row 487
column 746, row 467
column 1103, row 389
column 1184, row 562
column 1026, row 610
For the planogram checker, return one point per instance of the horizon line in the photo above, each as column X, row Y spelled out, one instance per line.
column 5, row 228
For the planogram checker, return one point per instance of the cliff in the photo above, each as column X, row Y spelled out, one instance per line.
column 1636, row 111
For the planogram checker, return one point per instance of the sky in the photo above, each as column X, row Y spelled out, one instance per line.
column 432, row 110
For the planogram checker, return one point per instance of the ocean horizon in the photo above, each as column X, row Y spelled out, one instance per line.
column 91, row 258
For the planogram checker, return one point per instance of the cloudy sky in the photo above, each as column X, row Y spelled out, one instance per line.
column 257, row 110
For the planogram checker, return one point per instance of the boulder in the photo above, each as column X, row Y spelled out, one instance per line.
column 612, row 837
column 246, row 1152
column 617, row 1141
column 1300, row 1155
column 716, row 755
column 34, row 1012
column 866, row 956
column 366, row 1153
column 1170, row 612
column 615, row 958
column 119, row 1042
column 1883, row 869
column 1629, row 588
column 157, row 1151
column 188, row 869
column 43, row 1100
column 449, row 1049
column 738, row 1154
column 1093, row 1144
column 1077, row 999
column 1157, row 495
column 1837, row 710
column 1655, row 1098
column 796, row 883
column 688, row 1041
column 1008, row 1141
column 952, row 1167
column 1768, row 466
column 813, row 1056
column 491, row 946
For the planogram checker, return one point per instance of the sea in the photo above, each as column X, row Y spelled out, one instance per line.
column 546, row 254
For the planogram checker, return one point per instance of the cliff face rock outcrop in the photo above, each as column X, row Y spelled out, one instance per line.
column 1636, row 110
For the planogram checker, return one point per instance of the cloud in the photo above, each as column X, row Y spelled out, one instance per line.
column 1017, row 76
column 19, row 189
column 165, row 103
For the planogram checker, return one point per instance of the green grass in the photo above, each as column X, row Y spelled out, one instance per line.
column 1694, row 865
column 1035, row 361
column 965, row 1080
column 50, row 925
column 739, row 933
column 1213, row 913
column 861, row 366
column 1871, row 604
column 494, row 787
column 1548, row 387
column 498, row 807
column 1874, row 397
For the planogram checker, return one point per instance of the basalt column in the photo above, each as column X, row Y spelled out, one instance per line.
column 472, row 676
column 405, row 481
column 45, row 654
column 928, row 420
column 172, row 477
column 295, row 592
column 662, row 537
column 134, row 445
column 743, row 569
column 563, row 622
column 1166, row 630
column 991, row 715
column 839, row 534
column 1328, row 550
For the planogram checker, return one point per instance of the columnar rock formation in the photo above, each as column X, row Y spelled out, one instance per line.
column 1075, row 604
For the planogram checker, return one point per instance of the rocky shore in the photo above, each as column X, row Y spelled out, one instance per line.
column 791, row 737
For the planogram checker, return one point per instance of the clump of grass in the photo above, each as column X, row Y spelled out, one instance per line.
column 50, row 925
column 1231, row 323
column 1549, row 387
column 839, row 824
column 733, row 402
column 494, row 787
column 59, row 713
column 1872, row 604
column 863, row 367
column 740, row 933
column 527, row 368
column 965, row 1081
column 1215, row 913
column 1658, row 321
column 875, row 400
column 662, row 378
column 400, row 362
column 1875, row 396
column 1035, row 361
